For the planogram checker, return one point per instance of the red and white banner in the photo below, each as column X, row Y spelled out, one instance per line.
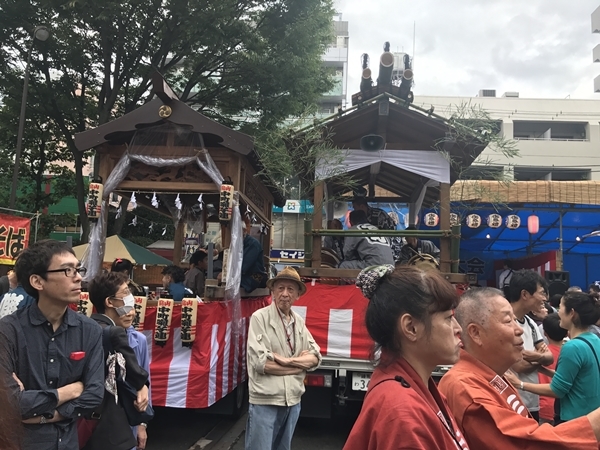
column 200, row 375
column 14, row 237
column 335, row 316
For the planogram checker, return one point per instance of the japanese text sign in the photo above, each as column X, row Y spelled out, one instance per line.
column 14, row 237
column 164, row 313
column 189, row 313
column 140, row 312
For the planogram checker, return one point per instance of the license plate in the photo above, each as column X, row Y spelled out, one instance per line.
column 360, row 381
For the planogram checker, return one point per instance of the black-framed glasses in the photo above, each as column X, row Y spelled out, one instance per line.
column 70, row 271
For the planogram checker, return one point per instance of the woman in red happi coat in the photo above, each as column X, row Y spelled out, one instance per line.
column 410, row 317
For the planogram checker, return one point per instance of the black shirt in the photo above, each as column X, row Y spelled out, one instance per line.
column 45, row 360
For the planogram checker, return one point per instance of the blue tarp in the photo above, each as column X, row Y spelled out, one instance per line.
column 580, row 257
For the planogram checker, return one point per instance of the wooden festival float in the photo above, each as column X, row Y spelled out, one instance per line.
column 185, row 166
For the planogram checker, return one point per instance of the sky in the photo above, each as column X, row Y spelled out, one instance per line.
column 539, row 48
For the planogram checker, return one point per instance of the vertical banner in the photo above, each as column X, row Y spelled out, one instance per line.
column 189, row 313
column 162, row 327
column 14, row 237
column 85, row 306
column 140, row 312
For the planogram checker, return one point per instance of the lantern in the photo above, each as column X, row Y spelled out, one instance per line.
column 454, row 220
column 513, row 222
column 226, row 202
column 533, row 224
column 494, row 220
column 93, row 207
column 473, row 221
column 431, row 219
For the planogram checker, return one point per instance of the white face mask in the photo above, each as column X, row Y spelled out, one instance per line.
column 129, row 302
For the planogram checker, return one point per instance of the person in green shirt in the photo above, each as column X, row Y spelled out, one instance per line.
column 576, row 380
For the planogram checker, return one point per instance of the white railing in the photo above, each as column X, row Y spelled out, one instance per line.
column 551, row 139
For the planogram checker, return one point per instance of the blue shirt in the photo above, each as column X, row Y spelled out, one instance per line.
column 179, row 291
column 577, row 378
column 44, row 360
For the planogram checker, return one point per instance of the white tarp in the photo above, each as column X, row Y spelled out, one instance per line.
column 429, row 164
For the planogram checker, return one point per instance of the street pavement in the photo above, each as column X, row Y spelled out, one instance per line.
column 310, row 434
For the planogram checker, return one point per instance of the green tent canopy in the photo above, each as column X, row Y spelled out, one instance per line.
column 118, row 247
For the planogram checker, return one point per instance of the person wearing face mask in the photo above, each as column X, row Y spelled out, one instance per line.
column 114, row 304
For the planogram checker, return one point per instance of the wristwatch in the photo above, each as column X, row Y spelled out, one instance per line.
column 43, row 420
column 145, row 425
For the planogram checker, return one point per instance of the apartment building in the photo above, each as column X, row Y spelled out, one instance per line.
column 557, row 139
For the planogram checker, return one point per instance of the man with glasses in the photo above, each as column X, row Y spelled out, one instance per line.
column 49, row 354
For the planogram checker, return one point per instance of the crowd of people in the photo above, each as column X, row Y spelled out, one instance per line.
column 359, row 252
column 500, row 350
column 525, row 367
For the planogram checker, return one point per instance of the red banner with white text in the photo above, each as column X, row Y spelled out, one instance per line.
column 14, row 237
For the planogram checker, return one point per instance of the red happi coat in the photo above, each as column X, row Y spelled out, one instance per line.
column 400, row 412
column 492, row 415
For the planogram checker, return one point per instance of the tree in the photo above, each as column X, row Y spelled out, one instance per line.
column 247, row 63
column 470, row 124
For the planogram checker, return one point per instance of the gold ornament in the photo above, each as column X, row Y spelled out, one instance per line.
column 164, row 111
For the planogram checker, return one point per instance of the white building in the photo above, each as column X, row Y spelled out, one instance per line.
column 336, row 60
column 558, row 139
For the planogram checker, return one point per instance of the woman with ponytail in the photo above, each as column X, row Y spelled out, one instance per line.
column 576, row 380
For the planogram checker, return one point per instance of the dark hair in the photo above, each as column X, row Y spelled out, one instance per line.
column 594, row 287
column 175, row 272
column 103, row 286
column 552, row 327
column 411, row 227
column 407, row 290
column 360, row 201
column 36, row 259
column 524, row 279
column 358, row 216
column 555, row 300
column 585, row 305
column 508, row 263
column 197, row 257
column 122, row 265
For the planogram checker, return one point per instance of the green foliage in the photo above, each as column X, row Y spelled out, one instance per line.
column 230, row 59
column 471, row 125
column 291, row 155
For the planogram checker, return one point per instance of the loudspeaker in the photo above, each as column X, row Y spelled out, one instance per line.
column 558, row 282
column 371, row 142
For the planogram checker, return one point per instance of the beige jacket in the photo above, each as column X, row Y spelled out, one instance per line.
column 265, row 337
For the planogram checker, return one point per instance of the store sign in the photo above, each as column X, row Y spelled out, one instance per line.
column 287, row 254
column 14, row 237
column 295, row 207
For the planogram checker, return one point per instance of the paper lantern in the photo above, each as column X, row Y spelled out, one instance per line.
column 454, row 220
column 494, row 220
column 473, row 221
column 533, row 224
column 226, row 202
column 431, row 219
column 93, row 206
column 513, row 222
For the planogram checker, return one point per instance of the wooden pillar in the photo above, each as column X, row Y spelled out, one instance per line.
column 317, row 223
column 445, row 225
column 178, row 245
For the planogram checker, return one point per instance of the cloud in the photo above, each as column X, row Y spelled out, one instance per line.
column 541, row 48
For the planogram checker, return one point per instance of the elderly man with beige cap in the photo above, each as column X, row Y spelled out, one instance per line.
column 280, row 351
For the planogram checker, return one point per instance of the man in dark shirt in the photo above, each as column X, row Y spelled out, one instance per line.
column 195, row 277
column 254, row 274
column 53, row 357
